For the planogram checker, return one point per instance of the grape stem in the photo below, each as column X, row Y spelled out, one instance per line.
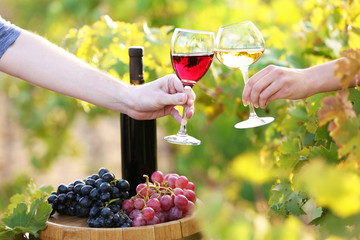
column 156, row 187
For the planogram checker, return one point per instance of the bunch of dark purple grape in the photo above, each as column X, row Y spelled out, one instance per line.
column 99, row 197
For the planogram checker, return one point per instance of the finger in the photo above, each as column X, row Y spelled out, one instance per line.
column 191, row 95
column 275, row 96
column 252, row 81
column 265, row 96
column 175, row 85
column 173, row 99
column 258, row 88
column 175, row 113
column 190, row 111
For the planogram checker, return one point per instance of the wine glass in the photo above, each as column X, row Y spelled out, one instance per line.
column 238, row 45
column 192, row 52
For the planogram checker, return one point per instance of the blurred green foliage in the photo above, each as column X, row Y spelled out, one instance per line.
column 296, row 178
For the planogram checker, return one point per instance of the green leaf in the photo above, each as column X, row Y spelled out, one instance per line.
column 294, row 206
column 30, row 221
column 290, row 145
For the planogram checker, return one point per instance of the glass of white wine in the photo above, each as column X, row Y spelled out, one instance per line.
column 238, row 45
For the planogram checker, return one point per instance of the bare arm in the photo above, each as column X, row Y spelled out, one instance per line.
column 37, row 61
column 274, row 82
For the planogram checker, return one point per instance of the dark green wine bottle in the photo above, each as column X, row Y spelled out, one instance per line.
column 138, row 137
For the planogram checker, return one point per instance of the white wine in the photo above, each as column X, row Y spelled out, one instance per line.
column 238, row 58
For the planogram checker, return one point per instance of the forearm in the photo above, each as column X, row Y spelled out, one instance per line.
column 41, row 63
column 321, row 78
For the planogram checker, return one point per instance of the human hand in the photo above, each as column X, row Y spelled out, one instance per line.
column 275, row 82
column 159, row 98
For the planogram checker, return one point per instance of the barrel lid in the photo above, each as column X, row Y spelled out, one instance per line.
column 136, row 51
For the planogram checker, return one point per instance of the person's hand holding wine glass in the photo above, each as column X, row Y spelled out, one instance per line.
column 192, row 52
column 239, row 45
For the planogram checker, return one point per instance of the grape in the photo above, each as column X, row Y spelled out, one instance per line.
column 70, row 196
column 161, row 200
column 52, row 198
column 189, row 208
column 155, row 195
column 78, row 187
column 134, row 213
column 128, row 205
column 85, row 202
column 148, row 213
column 115, row 208
column 175, row 214
column 105, row 187
column 115, row 192
column 109, row 221
column 102, row 171
column 61, row 198
column 98, row 182
column 101, row 222
column 105, row 212
column 104, row 197
column 62, row 188
column 108, row 177
column 124, row 195
column 85, row 190
column 123, row 185
column 181, row 182
column 181, row 202
column 61, row 208
column 171, row 180
column 94, row 211
column 139, row 203
column 178, row 191
column 154, row 203
column 153, row 221
column 190, row 186
column 78, row 182
column 190, row 195
column 95, row 177
column 94, row 193
column 161, row 216
column 138, row 222
column 157, row 176
column 90, row 182
column 70, row 187
column 166, row 202
column 99, row 197
column 141, row 187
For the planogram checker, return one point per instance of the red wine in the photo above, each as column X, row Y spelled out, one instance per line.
column 190, row 67
column 138, row 137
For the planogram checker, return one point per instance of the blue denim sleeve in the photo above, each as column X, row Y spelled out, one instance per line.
column 8, row 34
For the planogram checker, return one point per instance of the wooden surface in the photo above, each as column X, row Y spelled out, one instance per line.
column 61, row 227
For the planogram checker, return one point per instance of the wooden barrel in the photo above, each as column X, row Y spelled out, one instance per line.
column 60, row 227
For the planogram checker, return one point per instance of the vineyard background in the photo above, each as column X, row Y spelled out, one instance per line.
column 297, row 178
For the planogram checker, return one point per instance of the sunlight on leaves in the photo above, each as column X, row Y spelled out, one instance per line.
column 337, row 189
column 247, row 166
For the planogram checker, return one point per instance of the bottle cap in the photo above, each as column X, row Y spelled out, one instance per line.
column 136, row 51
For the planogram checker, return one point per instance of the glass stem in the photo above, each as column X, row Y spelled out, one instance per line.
column 245, row 74
column 182, row 130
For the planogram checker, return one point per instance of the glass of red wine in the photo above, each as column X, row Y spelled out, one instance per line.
column 192, row 52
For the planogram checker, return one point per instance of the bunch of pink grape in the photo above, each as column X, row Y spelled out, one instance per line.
column 165, row 198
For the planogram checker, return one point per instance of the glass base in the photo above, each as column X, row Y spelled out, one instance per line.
column 182, row 140
column 254, row 122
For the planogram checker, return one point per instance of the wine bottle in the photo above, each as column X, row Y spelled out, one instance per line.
column 138, row 137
